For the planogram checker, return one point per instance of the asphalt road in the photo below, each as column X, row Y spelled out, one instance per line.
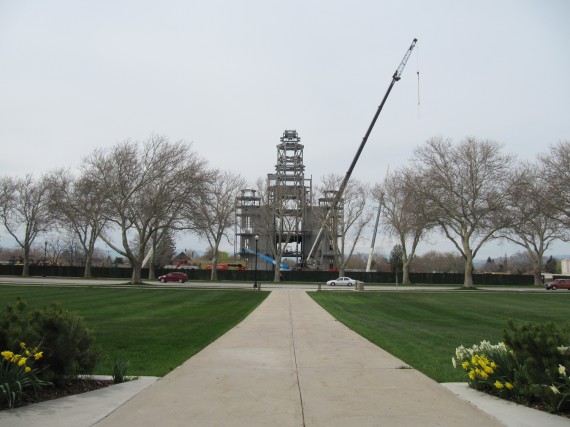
column 66, row 281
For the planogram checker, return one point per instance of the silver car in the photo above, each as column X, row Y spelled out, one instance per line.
column 342, row 281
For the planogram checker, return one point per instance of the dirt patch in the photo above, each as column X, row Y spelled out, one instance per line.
column 68, row 388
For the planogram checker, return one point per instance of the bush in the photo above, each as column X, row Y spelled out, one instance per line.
column 13, row 326
column 66, row 341
column 67, row 344
column 529, row 367
column 539, row 350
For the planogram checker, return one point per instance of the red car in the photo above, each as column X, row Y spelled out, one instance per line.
column 558, row 284
column 173, row 277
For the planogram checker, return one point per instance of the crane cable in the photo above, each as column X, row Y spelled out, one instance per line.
column 418, row 74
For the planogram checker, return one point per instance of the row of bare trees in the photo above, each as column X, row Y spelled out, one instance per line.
column 135, row 194
column 473, row 193
column 131, row 197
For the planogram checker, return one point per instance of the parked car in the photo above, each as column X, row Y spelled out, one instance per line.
column 558, row 284
column 173, row 277
column 343, row 281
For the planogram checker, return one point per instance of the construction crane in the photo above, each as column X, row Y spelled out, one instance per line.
column 397, row 75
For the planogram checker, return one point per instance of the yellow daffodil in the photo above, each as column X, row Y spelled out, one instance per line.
column 509, row 386
column 561, row 369
column 22, row 344
column 27, row 370
column 471, row 375
column 554, row 390
column 7, row 355
column 22, row 361
column 465, row 365
column 498, row 385
column 39, row 355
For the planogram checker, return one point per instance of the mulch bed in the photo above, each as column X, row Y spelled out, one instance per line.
column 68, row 388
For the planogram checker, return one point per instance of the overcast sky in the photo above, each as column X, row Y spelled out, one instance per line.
column 230, row 76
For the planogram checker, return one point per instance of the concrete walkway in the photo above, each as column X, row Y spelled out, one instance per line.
column 291, row 364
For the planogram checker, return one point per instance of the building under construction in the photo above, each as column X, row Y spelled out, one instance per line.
column 282, row 215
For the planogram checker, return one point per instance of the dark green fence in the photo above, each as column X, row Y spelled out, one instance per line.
column 267, row 275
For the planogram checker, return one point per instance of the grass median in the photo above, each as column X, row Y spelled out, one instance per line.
column 155, row 329
column 424, row 328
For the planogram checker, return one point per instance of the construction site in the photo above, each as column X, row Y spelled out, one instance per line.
column 282, row 220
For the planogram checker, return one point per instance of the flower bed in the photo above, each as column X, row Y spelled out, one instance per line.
column 529, row 368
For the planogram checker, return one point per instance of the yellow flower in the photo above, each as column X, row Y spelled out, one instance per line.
column 554, row 390
column 493, row 365
column 484, row 375
column 39, row 355
column 498, row 385
column 561, row 369
column 509, row 386
column 27, row 352
column 22, row 361
column 488, row 369
column 22, row 344
column 471, row 375
column 465, row 365
column 7, row 355
column 16, row 357
column 27, row 370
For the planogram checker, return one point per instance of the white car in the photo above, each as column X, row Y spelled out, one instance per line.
column 342, row 281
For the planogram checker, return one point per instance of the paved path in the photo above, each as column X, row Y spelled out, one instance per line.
column 291, row 364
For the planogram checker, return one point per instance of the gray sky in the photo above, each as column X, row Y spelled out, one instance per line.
column 230, row 76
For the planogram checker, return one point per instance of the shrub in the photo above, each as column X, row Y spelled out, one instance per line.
column 13, row 325
column 67, row 342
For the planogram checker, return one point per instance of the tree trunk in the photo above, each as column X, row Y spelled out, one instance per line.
column 136, row 278
column 468, row 282
column 214, row 274
column 26, row 268
column 88, row 262
column 537, row 261
column 151, row 271
column 277, row 271
column 406, row 272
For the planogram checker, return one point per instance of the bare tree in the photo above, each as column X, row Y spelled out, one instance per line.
column 535, row 225
column 556, row 175
column 521, row 262
column 24, row 212
column 79, row 204
column 438, row 262
column 344, row 228
column 278, row 220
column 214, row 215
column 402, row 216
column 145, row 187
column 465, row 187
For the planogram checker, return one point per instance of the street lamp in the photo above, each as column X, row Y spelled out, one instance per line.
column 255, row 285
column 45, row 257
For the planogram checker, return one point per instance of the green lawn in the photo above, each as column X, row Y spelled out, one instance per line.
column 156, row 329
column 424, row 328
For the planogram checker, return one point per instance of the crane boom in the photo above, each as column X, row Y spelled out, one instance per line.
column 338, row 196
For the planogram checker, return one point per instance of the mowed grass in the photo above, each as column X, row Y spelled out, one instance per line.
column 156, row 329
column 424, row 328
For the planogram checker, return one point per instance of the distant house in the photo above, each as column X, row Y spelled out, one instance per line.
column 180, row 259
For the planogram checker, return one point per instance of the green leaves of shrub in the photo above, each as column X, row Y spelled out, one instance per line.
column 67, row 343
